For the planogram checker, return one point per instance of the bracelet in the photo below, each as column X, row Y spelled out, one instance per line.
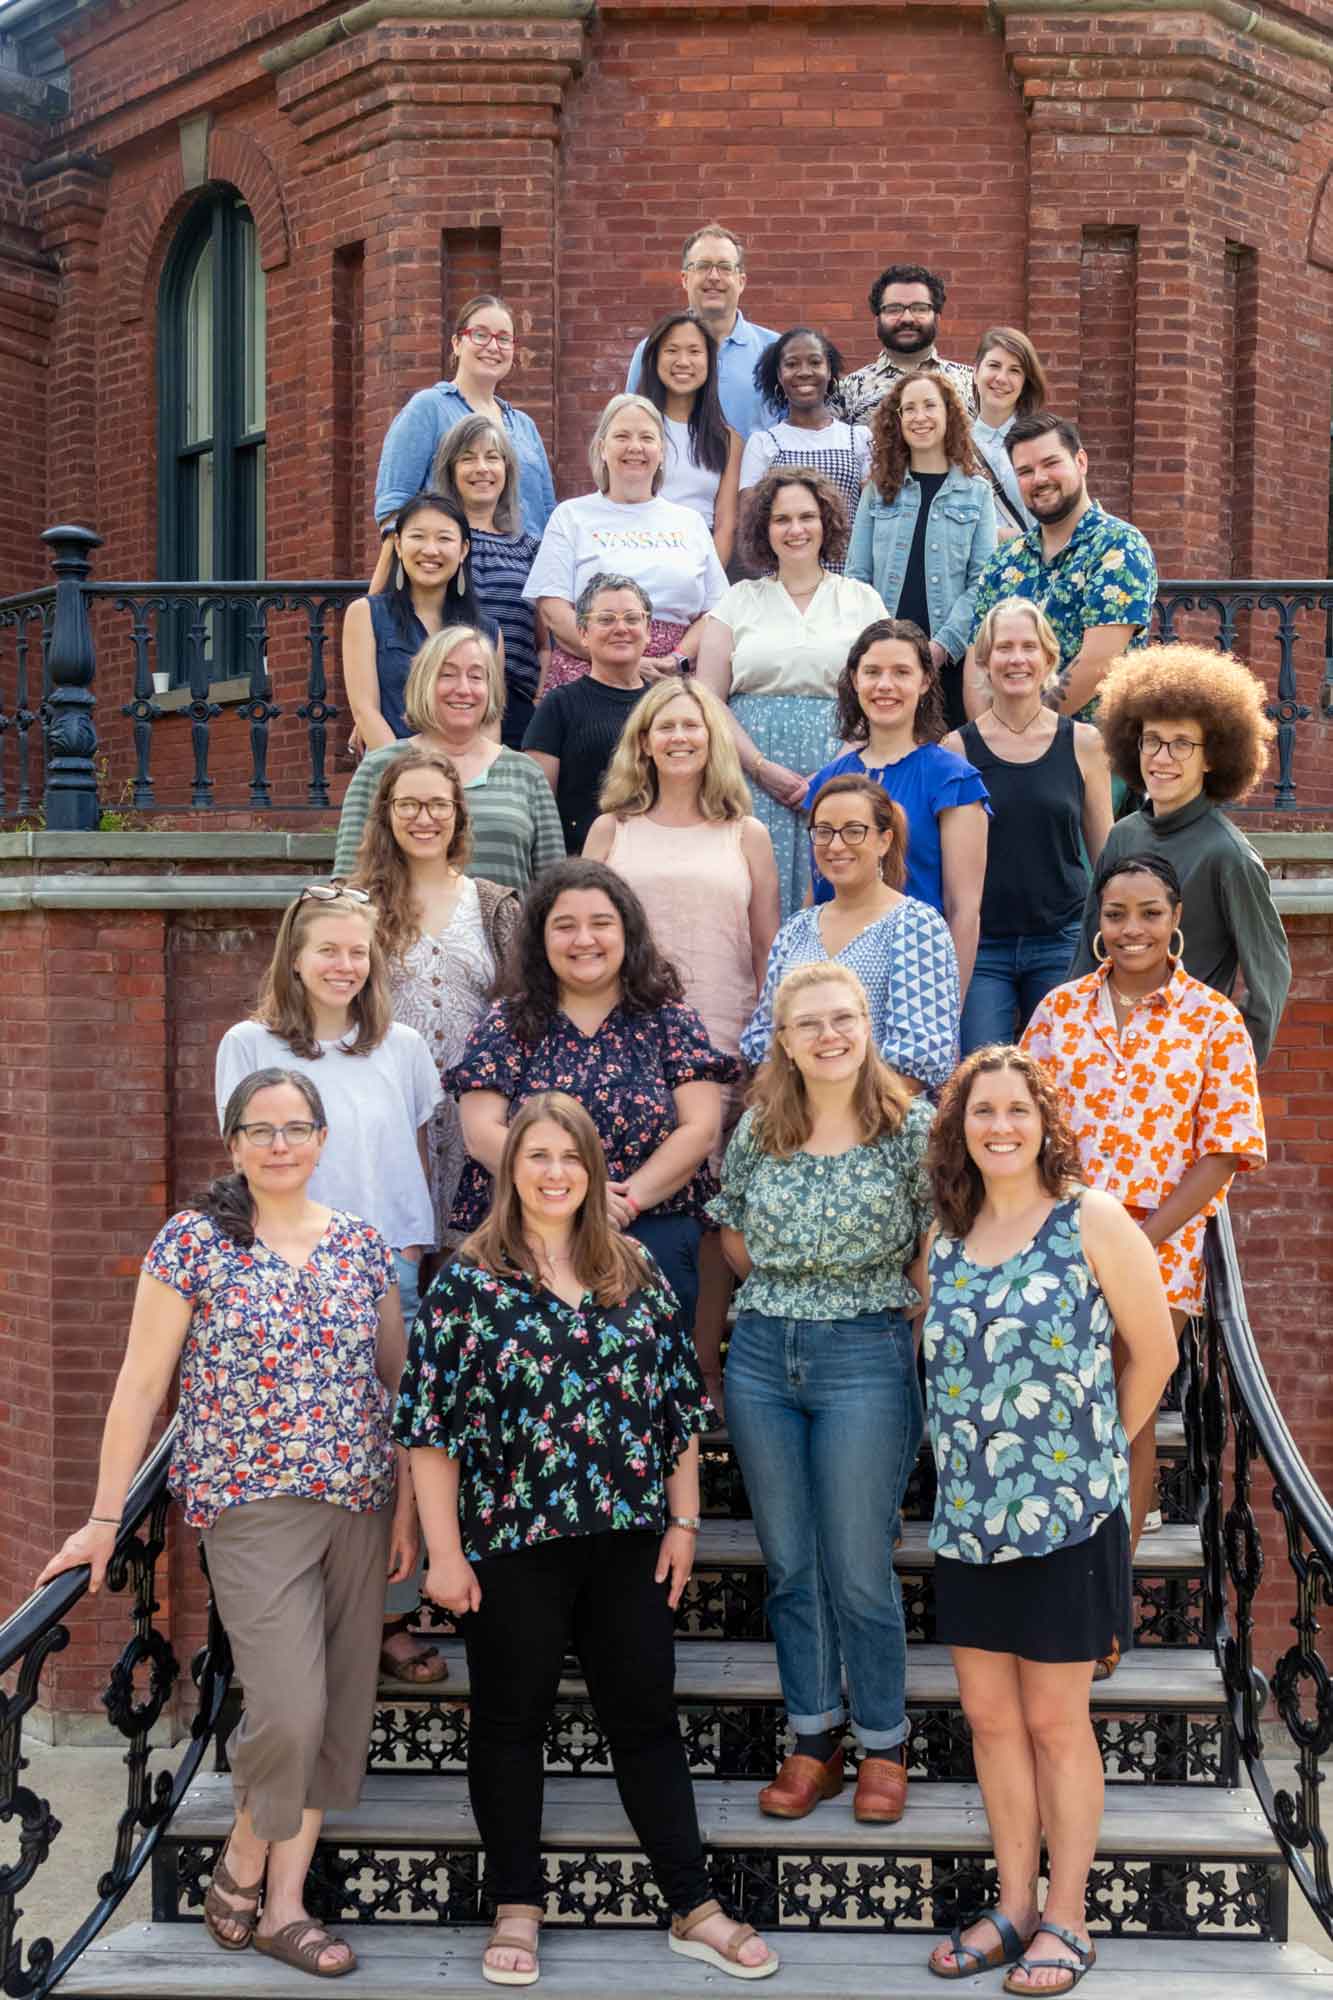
column 634, row 1210
column 690, row 1522
column 105, row 1520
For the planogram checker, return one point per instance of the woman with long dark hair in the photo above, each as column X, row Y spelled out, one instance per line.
column 798, row 375
column 703, row 454
column 551, row 1324
column 284, row 1464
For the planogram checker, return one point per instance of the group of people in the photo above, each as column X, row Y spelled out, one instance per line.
column 585, row 1033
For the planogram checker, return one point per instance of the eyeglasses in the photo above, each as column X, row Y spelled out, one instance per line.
column 332, row 892
column 606, row 620
column 907, row 312
column 703, row 266
column 809, row 1027
column 1178, row 748
column 481, row 336
column 850, row 836
column 299, row 1132
column 437, row 810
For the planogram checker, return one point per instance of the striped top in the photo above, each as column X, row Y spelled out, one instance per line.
column 515, row 825
column 500, row 565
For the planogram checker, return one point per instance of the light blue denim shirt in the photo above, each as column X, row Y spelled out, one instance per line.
column 742, row 405
column 413, row 438
column 959, row 536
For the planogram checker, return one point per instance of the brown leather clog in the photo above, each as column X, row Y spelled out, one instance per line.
column 800, row 1785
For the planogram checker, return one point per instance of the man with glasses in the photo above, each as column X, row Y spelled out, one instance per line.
column 907, row 301
column 713, row 277
column 575, row 730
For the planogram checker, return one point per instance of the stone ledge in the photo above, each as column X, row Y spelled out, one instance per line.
column 149, row 892
column 168, row 848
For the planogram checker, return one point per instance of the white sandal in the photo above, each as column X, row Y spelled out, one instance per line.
column 728, row 1958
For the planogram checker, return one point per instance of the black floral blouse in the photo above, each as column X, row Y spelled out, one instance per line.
column 623, row 1075
column 567, row 1419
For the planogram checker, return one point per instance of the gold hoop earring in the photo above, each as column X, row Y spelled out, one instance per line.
column 1099, row 951
column 1176, row 950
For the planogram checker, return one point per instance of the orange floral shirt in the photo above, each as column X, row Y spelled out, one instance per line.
column 1177, row 1084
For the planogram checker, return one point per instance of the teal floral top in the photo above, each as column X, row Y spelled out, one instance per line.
column 828, row 1235
column 567, row 1419
column 1020, row 1398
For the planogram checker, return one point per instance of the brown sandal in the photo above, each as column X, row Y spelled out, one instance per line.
column 724, row 1958
column 217, row 1912
column 302, row 1945
column 1103, row 1671
column 411, row 1668
column 498, row 1941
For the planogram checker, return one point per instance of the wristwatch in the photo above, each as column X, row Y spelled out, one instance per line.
column 684, row 664
column 689, row 1521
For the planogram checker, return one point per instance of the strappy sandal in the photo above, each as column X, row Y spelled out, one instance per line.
column 217, row 1912
column 1085, row 1953
column 409, row 1668
column 1010, row 1948
column 1104, row 1668
column 726, row 1959
column 499, row 1941
column 302, row 1945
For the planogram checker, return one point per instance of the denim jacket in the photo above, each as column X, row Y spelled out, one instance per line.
column 959, row 537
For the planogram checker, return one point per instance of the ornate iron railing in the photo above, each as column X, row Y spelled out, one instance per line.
column 1236, row 1436
column 37, row 1630
column 196, row 634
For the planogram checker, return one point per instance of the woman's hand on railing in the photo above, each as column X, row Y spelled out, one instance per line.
column 452, row 1584
column 94, row 1543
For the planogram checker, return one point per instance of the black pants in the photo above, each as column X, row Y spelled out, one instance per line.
column 595, row 1593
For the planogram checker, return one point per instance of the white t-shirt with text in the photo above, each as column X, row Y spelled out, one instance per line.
column 665, row 547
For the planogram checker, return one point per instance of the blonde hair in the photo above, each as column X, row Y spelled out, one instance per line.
column 284, row 1006
column 984, row 643
column 631, row 783
column 597, row 449
column 424, row 674
column 783, row 1120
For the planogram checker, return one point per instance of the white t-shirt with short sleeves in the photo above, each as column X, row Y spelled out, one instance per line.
column 375, row 1105
column 665, row 547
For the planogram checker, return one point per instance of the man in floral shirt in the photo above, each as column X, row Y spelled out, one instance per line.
column 1093, row 575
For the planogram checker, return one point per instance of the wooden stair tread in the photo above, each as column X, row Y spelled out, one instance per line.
column 738, row 1670
column 425, row 1809
column 1176, row 1548
column 410, row 1962
column 1170, row 1429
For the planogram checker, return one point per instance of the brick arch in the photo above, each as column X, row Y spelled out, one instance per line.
column 233, row 157
column 1320, row 246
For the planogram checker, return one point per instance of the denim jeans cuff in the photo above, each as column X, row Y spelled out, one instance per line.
column 871, row 1740
column 813, row 1725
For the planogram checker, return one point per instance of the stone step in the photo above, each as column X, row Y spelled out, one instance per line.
column 1170, row 1426
column 411, row 1962
column 1175, row 1550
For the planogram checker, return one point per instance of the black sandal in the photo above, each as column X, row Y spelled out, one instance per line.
column 1010, row 1948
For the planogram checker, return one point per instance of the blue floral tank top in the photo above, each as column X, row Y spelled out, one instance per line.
column 1020, row 1398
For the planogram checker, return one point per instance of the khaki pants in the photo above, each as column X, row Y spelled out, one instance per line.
column 299, row 1586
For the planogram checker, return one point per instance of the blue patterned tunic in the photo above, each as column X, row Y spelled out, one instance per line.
column 908, row 966
column 1021, row 1406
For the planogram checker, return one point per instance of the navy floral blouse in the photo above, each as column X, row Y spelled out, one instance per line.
column 623, row 1075
column 567, row 1419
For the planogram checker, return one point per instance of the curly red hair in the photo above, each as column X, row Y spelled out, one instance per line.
column 889, row 456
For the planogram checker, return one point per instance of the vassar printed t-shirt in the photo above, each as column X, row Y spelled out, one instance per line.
column 665, row 548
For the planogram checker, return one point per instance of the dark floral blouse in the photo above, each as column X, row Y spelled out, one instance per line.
column 623, row 1075
column 567, row 1419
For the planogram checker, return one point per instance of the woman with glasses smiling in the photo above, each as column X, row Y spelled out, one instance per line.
column 899, row 948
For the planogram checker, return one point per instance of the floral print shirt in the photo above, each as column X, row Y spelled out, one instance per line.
column 567, row 1419
column 623, row 1075
column 829, row 1236
column 1104, row 575
column 1021, row 1406
column 279, row 1398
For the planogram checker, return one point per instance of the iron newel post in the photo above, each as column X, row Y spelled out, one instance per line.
column 70, row 794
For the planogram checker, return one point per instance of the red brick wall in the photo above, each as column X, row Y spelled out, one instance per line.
column 27, row 301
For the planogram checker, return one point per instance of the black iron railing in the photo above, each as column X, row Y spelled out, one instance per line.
column 37, row 1630
column 193, row 635
column 1238, row 1444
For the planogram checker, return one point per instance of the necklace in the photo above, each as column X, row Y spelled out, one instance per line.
column 1023, row 727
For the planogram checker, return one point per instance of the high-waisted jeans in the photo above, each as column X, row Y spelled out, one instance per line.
column 826, row 1419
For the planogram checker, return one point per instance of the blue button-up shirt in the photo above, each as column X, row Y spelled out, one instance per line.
column 742, row 405
column 414, row 435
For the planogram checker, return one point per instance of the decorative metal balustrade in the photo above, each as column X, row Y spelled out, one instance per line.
column 195, row 635
column 38, row 1630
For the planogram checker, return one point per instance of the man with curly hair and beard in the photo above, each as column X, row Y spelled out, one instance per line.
column 1186, row 726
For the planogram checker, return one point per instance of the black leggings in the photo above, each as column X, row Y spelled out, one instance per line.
column 595, row 1593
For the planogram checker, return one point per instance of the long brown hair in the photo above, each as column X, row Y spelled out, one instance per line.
column 851, row 722
column 283, row 1005
column 381, row 865
column 887, row 814
column 783, row 1119
column 890, row 457
column 955, row 1178
column 608, row 1263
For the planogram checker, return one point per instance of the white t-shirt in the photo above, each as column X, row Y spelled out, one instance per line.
column 664, row 547
column 688, row 484
column 762, row 447
column 779, row 649
column 375, row 1104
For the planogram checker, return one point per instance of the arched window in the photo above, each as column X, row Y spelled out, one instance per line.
column 211, row 435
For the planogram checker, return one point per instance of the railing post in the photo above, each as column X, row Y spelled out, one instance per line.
column 70, row 789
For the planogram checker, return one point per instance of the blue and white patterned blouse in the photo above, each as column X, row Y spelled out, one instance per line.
column 1021, row 1407
column 908, row 966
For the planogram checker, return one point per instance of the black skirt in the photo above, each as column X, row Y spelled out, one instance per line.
column 1062, row 1607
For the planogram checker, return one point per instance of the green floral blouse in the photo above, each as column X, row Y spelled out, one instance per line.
column 829, row 1236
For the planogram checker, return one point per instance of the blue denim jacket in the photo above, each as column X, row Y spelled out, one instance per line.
column 410, row 445
column 959, row 537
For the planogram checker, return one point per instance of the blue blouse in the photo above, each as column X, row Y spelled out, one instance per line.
column 908, row 966
column 925, row 783
column 413, row 438
column 394, row 655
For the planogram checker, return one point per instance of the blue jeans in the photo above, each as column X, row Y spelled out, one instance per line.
column 826, row 1419
column 674, row 1241
column 1010, row 977
column 409, row 1287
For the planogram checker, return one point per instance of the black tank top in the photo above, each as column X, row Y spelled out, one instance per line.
column 1036, row 874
